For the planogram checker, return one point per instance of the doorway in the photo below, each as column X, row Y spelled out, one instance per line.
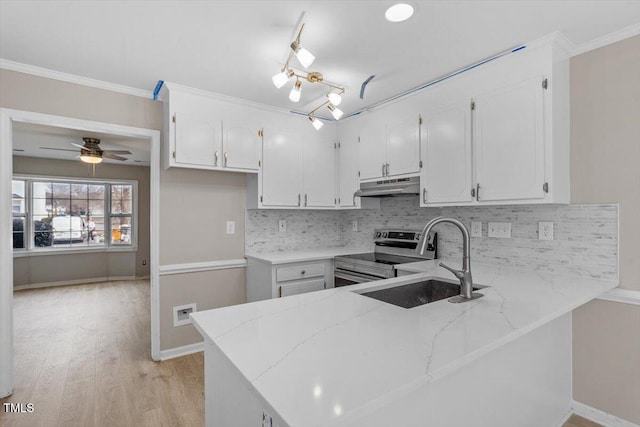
column 12, row 121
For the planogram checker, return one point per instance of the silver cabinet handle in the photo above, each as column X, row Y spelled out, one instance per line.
column 387, row 169
column 216, row 161
column 383, row 169
column 478, row 192
column 424, row 195
column 298, row 199
column 305, row 203
column 226, row 158
column 354, row 199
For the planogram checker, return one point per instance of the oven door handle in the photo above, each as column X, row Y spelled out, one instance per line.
column 355, row 277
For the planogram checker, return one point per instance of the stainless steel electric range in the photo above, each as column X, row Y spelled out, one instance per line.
column 392, row 247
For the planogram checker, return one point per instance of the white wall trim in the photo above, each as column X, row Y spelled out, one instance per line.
column 196, row 267
column 626, row 296
column 565, row 419
column 78, row 282
column 607, row 39
column 598, row 416
column 185, row 350
column 73, row 78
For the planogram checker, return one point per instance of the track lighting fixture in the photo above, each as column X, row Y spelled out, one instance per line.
column 305, row 58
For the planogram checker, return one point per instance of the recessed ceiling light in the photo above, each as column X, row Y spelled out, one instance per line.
column 399, row 12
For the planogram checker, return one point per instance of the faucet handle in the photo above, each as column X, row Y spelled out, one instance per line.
column 458, row 273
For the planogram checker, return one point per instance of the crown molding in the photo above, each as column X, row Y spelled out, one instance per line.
column 607, row 39
column 72, row 78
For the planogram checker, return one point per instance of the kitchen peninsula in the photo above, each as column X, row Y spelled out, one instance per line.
column 338, row 358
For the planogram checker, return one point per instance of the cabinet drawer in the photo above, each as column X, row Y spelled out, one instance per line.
column 297, row 272
column 302, row 287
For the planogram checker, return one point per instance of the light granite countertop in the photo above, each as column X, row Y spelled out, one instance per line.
column 285, row 257
column 322, row 357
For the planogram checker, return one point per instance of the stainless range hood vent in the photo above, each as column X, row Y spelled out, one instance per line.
column 390, row 188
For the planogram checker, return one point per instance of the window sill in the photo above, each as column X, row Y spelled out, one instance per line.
column 70, row 251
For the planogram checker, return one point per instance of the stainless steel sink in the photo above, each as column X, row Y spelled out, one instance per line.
column 418, row 293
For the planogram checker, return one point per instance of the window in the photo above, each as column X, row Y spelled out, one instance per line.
column 63, row 214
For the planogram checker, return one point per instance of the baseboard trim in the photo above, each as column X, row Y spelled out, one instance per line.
column 77, row 282
column 565, row 418
column 626, row 296
column 196, row 267
column 185, row 350
column 598, row 416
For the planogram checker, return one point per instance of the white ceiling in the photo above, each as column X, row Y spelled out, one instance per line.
column 234, row 47
column 29, row 138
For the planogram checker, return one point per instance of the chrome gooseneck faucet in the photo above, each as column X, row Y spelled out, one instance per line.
column 464, row 275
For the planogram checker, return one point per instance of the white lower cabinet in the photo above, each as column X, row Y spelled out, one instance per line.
column 266, row 280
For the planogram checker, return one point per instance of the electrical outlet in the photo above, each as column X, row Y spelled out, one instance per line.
column 354, row 225
column 181, row 314
column 476, row 229
column 500, row 230
column 231, row 227
column 282, row 226
column 545, row 230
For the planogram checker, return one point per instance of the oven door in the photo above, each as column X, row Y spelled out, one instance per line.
column 346, row 277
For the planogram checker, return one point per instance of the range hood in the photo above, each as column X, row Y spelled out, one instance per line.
column 390, row 187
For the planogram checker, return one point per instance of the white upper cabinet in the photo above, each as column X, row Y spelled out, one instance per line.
column 319, row 168
column 348, row 180
column 203, row 132
column 446, row 147
column 389, row 143
column 508, row 134
column 372, row 150
column 282, row 169
column 200, row 139
column 403, row 145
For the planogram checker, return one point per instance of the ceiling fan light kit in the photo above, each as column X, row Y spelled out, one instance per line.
column 305, row 58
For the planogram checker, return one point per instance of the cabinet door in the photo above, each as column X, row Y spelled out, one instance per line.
column 282, row 171
column 403, row 146
column 319, row 172
column 295, row 288
column 241, row 146
column 348, row 181
column 198, row 140
column 509, row 142
column 372, row 152
column 446, row 147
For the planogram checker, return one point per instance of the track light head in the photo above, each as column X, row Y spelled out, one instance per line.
column 305, row 57
column 335, row 112
column 281, row 78
column 317, row 124
column 334, row 98
column 294, row 95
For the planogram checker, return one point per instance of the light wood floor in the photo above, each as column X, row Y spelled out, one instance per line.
column 83, row 358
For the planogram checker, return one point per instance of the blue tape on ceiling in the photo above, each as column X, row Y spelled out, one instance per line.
column 156, row 91
column 364, row 85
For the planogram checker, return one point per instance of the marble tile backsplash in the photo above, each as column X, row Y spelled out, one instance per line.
column 585, row 236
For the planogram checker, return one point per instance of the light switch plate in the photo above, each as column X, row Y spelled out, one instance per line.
column 545, row 230
column 476, row 229
column 499, row 230
column 282, row 226
column 231, row 227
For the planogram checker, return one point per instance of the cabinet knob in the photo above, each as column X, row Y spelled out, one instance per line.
column 302, row 272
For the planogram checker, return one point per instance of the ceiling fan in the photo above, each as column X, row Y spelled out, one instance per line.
column 91, row 152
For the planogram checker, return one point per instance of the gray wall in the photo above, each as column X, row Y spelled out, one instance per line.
column 38, row 269
column 605, row 167
column 31, row 93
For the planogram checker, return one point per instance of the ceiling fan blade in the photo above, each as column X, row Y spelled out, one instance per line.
column 58, row 149
column 116, row 152
column 113, row 156
column 78, row 145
